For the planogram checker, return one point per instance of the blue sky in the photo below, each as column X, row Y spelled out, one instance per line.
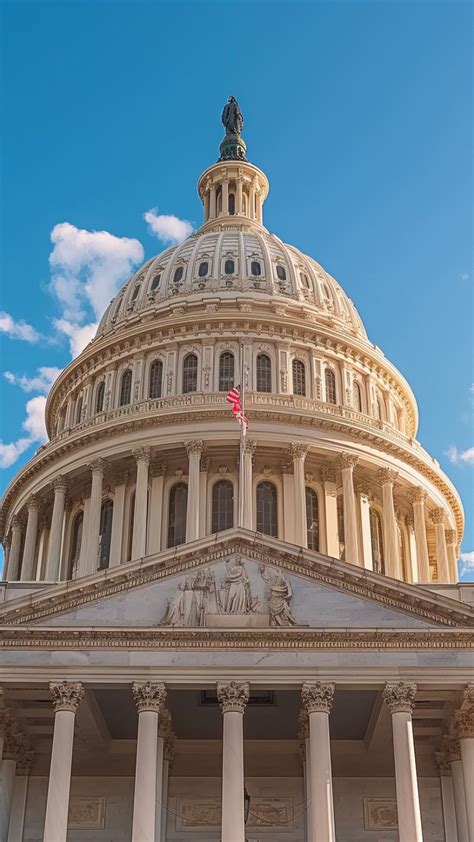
column 359, row 113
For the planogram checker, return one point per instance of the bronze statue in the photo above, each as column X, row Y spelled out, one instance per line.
column 232, row 119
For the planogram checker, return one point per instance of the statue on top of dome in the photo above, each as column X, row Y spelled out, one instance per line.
column 232, row 119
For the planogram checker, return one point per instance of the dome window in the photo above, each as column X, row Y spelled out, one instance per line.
column 203, row 269
column 178, row 274
column 156, row 377
column 190, row 373
column 222, row 506
column 79, row 410
column 330, row 380
column 299, row 377
column 304, row 280
column 281, row 273
column 267, row 508
column 312, row 518
column 177, row 514
column 264, row 373
column 155, row 283
column 229, row 267
column 232, row 204
column 135, row 293
column 126, row 388
column 99, row 401
column 255, row 268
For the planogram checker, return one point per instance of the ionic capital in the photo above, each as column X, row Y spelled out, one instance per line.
column 438, row 515
column 98, row 466
column 298, row 450
column 450, row 536
column 233, row 696
column 33, row 503
column 347, row 460
column 60, row 484
column 417, row 495
column 194, row 447
column 66, row 695
column 149, row 695
column 328, row 473
column 386, row 476
column 317, row 697
column 400, row 697
column 142, row 454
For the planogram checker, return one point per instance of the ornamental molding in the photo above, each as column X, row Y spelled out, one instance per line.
column 317, row 697
column 400, row 697
column 233, row 696
column 66, row 695
column 149, row 695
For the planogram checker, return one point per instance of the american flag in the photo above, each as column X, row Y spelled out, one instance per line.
column 233, row 397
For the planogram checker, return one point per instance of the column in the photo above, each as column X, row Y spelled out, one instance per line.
column 212, row 202
column 149, row 698
column 317, row 699
column 328, row 476
column 164, row 727
column 306, row 755
column 464, row 731
column 247, row 491
column 92, row 536
column 417, row 497
column 20, row 792
column 15, row 548
column 233, row 698
column 452, row 750
column 67, row 697
column 140, row 513
column 12, row 747
column 56, row 531
column 298, row 453
column 252, row 201
column 203, row 474
column 29, row 551
column 120, row 487
column 82, row 566
column 157, row 472
column 288, row 501
column 42, row 549
column 451, row 536
column 447, row 797
column 387, row 477
column 239, row 204
column 194, row 450
column 347, row 463
column 225, row 196
column 363, row 497
column 400, row 698
column 6, row 556
column 168, row 762
column 438, row 516
column 410, row 522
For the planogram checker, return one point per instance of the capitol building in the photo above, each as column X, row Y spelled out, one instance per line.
column 207, row 636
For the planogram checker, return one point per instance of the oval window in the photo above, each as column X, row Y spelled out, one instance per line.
column 229, row 267
column 281, row 273
column 178, row 274
column 155, row 283
column 255, row 268
column 203, row 269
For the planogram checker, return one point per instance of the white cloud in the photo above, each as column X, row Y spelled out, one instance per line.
column 79, row 335
column 460, row 457
column 34, row 426
column 168, row 229
column 468, row 559
column 17, row 330
column 464, row 276
column 40, row 382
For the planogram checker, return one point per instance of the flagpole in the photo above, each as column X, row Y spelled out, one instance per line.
column 242, row 437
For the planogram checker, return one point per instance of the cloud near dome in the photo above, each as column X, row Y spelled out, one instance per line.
column 168, row 228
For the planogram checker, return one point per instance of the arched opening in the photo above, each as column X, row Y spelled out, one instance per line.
column 178, row 274
column 376, row 539
column 226, row 371
column 312, row 518
column 203, row 269
column 255, row 268
column 79, row 410
column 357, row 396
column 299, row 377
column 125, row 387
column 155, row 380
column 190, row 370
column 264, row 373
column 155, row 284
column 340, row 526
column 99, row 400
column 232, row 204
column 379, row 409
column 267, row 516
column 177, row 514
column 76, row 543
column 105, row 534
column 330, row 380
column 135, row 294
column 281, row 272
column 229, row 267
column 222, row 505
column 304, row 280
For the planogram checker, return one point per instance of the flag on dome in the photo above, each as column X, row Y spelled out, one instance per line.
column 233, row 397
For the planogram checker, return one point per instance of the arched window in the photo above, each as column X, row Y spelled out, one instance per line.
column 190, row 371
column 135, row 293
column 177, row 514
column 264, row 373
column 131, row 516
column 357, row 396
column 178, row 274
column 281, row 273
column 255, row 268
column 229, row 267
column 231, row 203
column 99, row 400
column 79, row 410
column 117, row 310
column 304, row 280
column 376, row 538
column 76, row 543
column 222, row 505
column 126, row 387
column 156, row 377
column 203, row 269
column 267, row 508
column 105, row 534
column 312, row 518
column 330, row 379
column 299, row 377
column 155, row 283
column 340, row 525
column 403, row 554
column 226, row 371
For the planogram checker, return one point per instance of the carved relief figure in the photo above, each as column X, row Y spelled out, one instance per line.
column 280, row 594
column 237, row 598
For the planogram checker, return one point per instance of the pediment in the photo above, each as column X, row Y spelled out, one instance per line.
column 237, row 581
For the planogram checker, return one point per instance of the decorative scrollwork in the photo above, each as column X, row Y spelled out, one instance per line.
column 233, row 696
column 66, row 695
column 317, row 696
column 400, row 697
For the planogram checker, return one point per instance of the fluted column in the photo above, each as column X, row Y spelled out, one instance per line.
column 98, row 469
column 142, row 456
column 20, row 792
column 164, row 729
column 438, row 516
column 67, row 697
column 233, row 698
column 451, row 536
column 303, row 736
column 387, row 477
column 194, row 450
column 169, row 752
column 288, row 481
column 417, row 497
column 400, row 698
column 363, row 497
column 347, row 463
column 212, row 202
column 149, row 698
column 120, row 487
column 56, row 531
column 252, row 201
column 447, row 797
column 298, row 453
column 15, row 549
column 157, row 471
column 249, row 448
column 225, row 196
column 29, row 550
column 328, row 476
column 463, row 730
column 317, row 699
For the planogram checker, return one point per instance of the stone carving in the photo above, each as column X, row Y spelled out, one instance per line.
column 386, row 475
column 280, row 595
column 149, row 695
column 347, row 460
column 463, row 724
column 233, row 697
column 380, row 814
column 66, row 695
column 198, row 814
column 317, row 697
column 86, row 812
column 298, row 450
column 328, row 473
column 417, row 495
column 98, row 465
column 438, row 515
column 142, row 454
column 450, row 536
column 271, row 812
column 400, row 697
column 33, row 502
column 450, row 748
column 60, row 483
column 194, row 446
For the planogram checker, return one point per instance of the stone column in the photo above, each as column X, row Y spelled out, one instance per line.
column 451, row 536
column 67, row 697
column 247, row 470
column 298, row 453
column 463, row 730
column 225, row 196
column 29, row 550
column 164, row 728
column 452, row 750
column 303, row 735
column 203, row 476
column 98, row 469
column 56, row 531
column 447, row 797
column 149, row 698
column 252, row 201
column 233, row 698
column 363, row 496
column 438, row 516
column 288, row 481
column 238, row 203
column 212, row 202
column 347, row 463
column 317, row 701
column 387, row 477
column 410, row 523
column 12, row 747
column 157, row 472
column 20, row 791
column 140, row 513
column 417, row 497
column 6, row 556
column 400, row 698
column 168, row 762
column 15, row 549
column 194, row 450
column 328, row 476
column 120, row 487
column 82, row 564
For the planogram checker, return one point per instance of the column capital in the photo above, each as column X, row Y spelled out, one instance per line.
column 195, row 446
column 98, row 466
column 451, row 535
column 142, row 454
column 317, row 696
column 60, row 483
column 120, row 478
column 347, row 460
column 438, row 515
column 451, row 748
column 417, row 494
column 298, row 450
column 410, row 521
column 233, row 696
column 462, row 725
column 386, row 476
column 250, row 446
column 33, row 503
column 149, row 695
column 328, row 473
column 66, row 695
column 17, row 522
column 400, row 696
column 444, row 765
column 14, row 744
column 158, row 468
